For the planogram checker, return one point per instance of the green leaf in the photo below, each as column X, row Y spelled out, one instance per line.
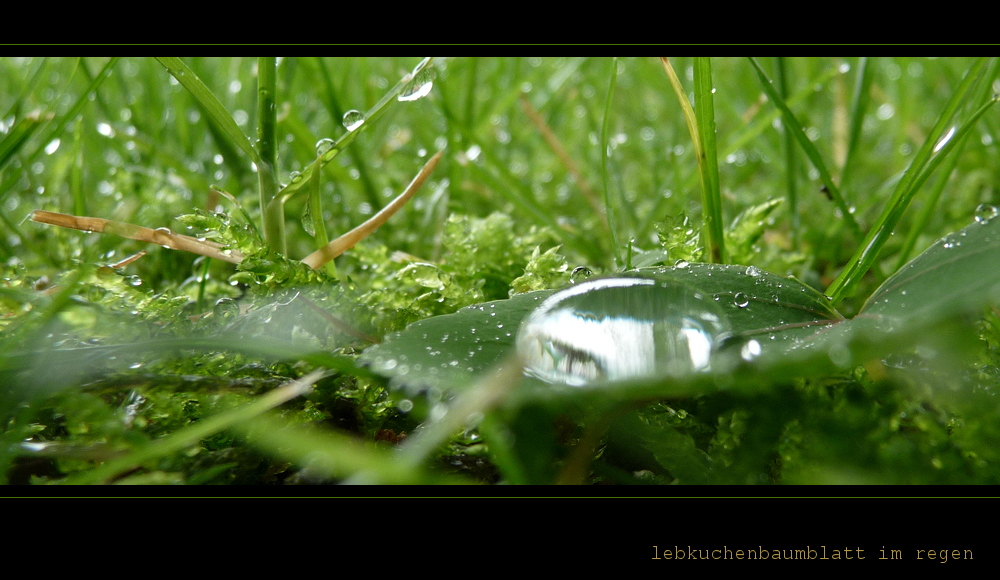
column 957, row 273
column 448, row 351
column 780, row 327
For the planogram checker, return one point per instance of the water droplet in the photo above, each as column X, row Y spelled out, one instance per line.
column 307, row 222
column 741, row 299
column 985, row 212
column 419, row 87
column 225, row 307
column 324, row 145
column 753, row 271
column 681, row 264
column 353, row 119
column 620, row 328
column 579, row 274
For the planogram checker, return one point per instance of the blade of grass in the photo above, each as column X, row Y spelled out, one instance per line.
column 859, row 106
column 956, row 143
column 215, row 110
column 715, row 245
column 869, row 249
column 920, row 225
column 791, row 159
column 608, row 208
column 267, row 114
column 316, row 215
column 795, row 128
column 708, row 167
column 370, row 117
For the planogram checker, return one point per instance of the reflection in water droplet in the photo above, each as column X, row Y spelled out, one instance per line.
column 620, row 328
column 324, row 145
column 741, row 299
column 985, row 212
column 353, row 119
column 419, row 87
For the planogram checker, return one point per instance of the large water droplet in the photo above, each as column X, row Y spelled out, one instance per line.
column 620, row 328
column 419, row 87
column 741, row 299
column 353, row 119
column 985, row 212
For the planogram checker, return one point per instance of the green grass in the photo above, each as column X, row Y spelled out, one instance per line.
column 162, row 370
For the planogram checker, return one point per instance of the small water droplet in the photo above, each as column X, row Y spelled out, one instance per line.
column 579, row 274
column 323, row 146
column 753, row 271
column 741, row 299
column 985, row 212
column 681, row 264
column 225, row 307
column 307, row 222
column 620, row 328
column 353, row 119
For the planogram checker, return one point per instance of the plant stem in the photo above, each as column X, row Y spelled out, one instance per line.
column 708, row 162
column 267, row 112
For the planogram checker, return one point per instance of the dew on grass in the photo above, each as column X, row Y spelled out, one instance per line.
column 353, row 119
column 620, row 328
